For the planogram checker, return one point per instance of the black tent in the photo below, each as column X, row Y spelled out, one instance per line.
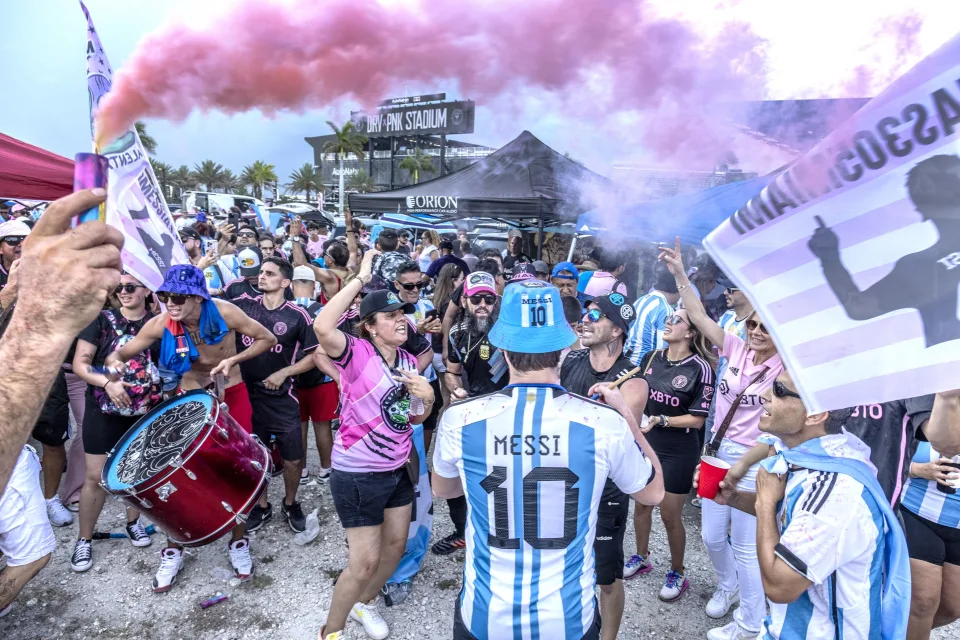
column 524, row 179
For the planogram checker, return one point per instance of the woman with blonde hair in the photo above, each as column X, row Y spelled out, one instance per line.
column 429, row 249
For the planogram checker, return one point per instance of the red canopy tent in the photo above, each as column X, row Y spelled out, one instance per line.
column 31, row 173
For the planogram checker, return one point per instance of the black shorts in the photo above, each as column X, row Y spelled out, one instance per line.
column 431, row 420
column 460, row 631
column 612, row 518
column 361, row 498
column 930, row 542
column 54, row 421
column 102, row 431
column 277, row 416
column 679, row 452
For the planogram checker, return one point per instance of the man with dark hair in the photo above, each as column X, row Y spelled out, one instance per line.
column 492, row 254
column 269, row 378
column 490, row 266
column 446, row 257
column 331, row 270
column 926, row 280
column 385, row 265
column 466, row 253
column 314, row 240
column 832, row 553
column 532, row 461
column 652, row 311
column 247, row 236
column 612, row 265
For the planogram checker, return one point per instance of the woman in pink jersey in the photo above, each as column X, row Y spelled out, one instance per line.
column 381, row 396
column 753, row 366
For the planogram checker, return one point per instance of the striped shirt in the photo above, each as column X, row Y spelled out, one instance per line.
column 533, row 461
column 646, row 334
column 922, row 497
column 420, row 312
column 832, row 534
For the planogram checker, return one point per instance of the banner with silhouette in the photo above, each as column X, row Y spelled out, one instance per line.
column 850, row 256
column 135, row 203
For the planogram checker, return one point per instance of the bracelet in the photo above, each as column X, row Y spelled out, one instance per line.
column 682, row 287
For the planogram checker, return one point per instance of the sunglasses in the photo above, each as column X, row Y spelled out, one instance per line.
column 246, row 234
column 593, row 315
column 129, row 288
column 753, row 324
column 780, row 390
column 411, row 286
column 12, row 240
column 732, row 290
column 486, row 299
column 176, row 298
column 675, row 319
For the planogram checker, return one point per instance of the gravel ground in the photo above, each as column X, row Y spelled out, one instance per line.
column 288, row 597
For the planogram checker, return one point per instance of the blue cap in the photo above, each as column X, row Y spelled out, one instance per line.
column 531, row 320
column 565, row 266
column 185, row 279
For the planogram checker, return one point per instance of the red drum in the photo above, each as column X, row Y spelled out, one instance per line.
column 190, row 468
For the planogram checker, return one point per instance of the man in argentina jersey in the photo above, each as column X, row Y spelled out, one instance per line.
column 652, row 311
column 930, row 509
column 532, row 461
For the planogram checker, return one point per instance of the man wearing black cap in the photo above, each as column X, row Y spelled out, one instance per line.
column 605, row 327
column 651, row 312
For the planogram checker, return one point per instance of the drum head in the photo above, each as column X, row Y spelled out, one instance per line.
column 157, row 438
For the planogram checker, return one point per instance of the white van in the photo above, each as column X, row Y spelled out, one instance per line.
column 214, row 203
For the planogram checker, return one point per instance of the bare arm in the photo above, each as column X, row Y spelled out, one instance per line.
column 331, row 339
column 942, row 430
column 685, row 421
column 781, row 583
column 353, row 245
column 150, row 333
column 243, row 324
column 635, row 391
column 695, row 311
column 424, row 360
column 449, row 317
column 83, row 360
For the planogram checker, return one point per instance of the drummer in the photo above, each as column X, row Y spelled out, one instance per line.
column 197, row 341
column 109, row 410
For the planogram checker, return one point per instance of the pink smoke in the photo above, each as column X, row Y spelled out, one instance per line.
column 318, row 55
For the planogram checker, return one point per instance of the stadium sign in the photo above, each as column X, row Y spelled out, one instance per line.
column 418, row 119
column 431, row 204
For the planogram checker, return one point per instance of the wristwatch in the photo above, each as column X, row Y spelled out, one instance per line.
column 664, row 421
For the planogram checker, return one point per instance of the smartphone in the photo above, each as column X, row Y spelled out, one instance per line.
column 90, row 172
column 234, row 219
column 431, row 315
column 952, row 488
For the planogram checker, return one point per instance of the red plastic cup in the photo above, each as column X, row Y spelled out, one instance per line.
column 712, row 471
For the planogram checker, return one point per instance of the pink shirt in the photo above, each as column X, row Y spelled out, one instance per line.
column 601, row 283
column 315, row 249
column 744, row 427
column 374, row 433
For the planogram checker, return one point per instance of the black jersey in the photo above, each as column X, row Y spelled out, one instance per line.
column 294, row 331
column 577, row 375
column 313, row 377
column 680, row 388
column 241, row 287
column 483, row 368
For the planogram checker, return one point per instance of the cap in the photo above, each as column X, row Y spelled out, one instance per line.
column 383, row 301
column 726, row 282
column 12, row 228
column 563, row 268
column 531, row 320
column 249, row 260
column 663, row 279
column 523, row 271
column 616, row 307
column 446, row 244
column 479, row 281
column 185, row 279
column 304, row 273
column 191, row 233
column 541, row 266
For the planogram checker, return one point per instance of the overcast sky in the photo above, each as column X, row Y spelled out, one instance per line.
column 814, row 45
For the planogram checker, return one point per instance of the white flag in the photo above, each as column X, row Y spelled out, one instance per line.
column 135, row 204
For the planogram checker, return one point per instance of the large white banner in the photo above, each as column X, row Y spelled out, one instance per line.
column 850, row 256
column 135, row 203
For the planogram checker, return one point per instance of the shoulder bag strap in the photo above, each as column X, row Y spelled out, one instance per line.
column 722, row 431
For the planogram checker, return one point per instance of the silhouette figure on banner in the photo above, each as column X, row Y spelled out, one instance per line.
column 927, row 280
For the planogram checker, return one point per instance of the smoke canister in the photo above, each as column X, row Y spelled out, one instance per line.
column 90, row 172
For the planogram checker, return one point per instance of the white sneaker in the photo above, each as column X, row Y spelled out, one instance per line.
column 674, row 586
column 721, row 602
column 171, row 561
column 82, row 558
column 59, row 516
column 369, row 616
column 731, row 631
column 137, row 534
column 240, row 559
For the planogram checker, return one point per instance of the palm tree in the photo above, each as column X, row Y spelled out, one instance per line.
column 228, row 181
column 346, row 140
column 304, row 179
column 182, row 178
column 162, row 171
column 257, row 175
column 208, row 173
column 149, row 142
column 416, row 163
column 361, row 182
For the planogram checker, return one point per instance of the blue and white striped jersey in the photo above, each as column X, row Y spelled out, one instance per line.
column 832, row 534
column 922, row 498
column 419, row 313
column 646, row 334
column 533, row 460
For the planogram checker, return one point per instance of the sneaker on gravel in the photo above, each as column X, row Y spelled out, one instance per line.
column 294, row 515
column 82, row 558
column 259, row 516
column 448, row 545
column 369, row 616
column 73, row 507
column 336, row 635
column 137, row 534
column 637, row 565
column 171, row 561
column 59, row 516
column 674, row 586
column 721, row 601
column 324, row 475
column 695, row 502
column 731, row 631
column 240, row 559
column 304, row 476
